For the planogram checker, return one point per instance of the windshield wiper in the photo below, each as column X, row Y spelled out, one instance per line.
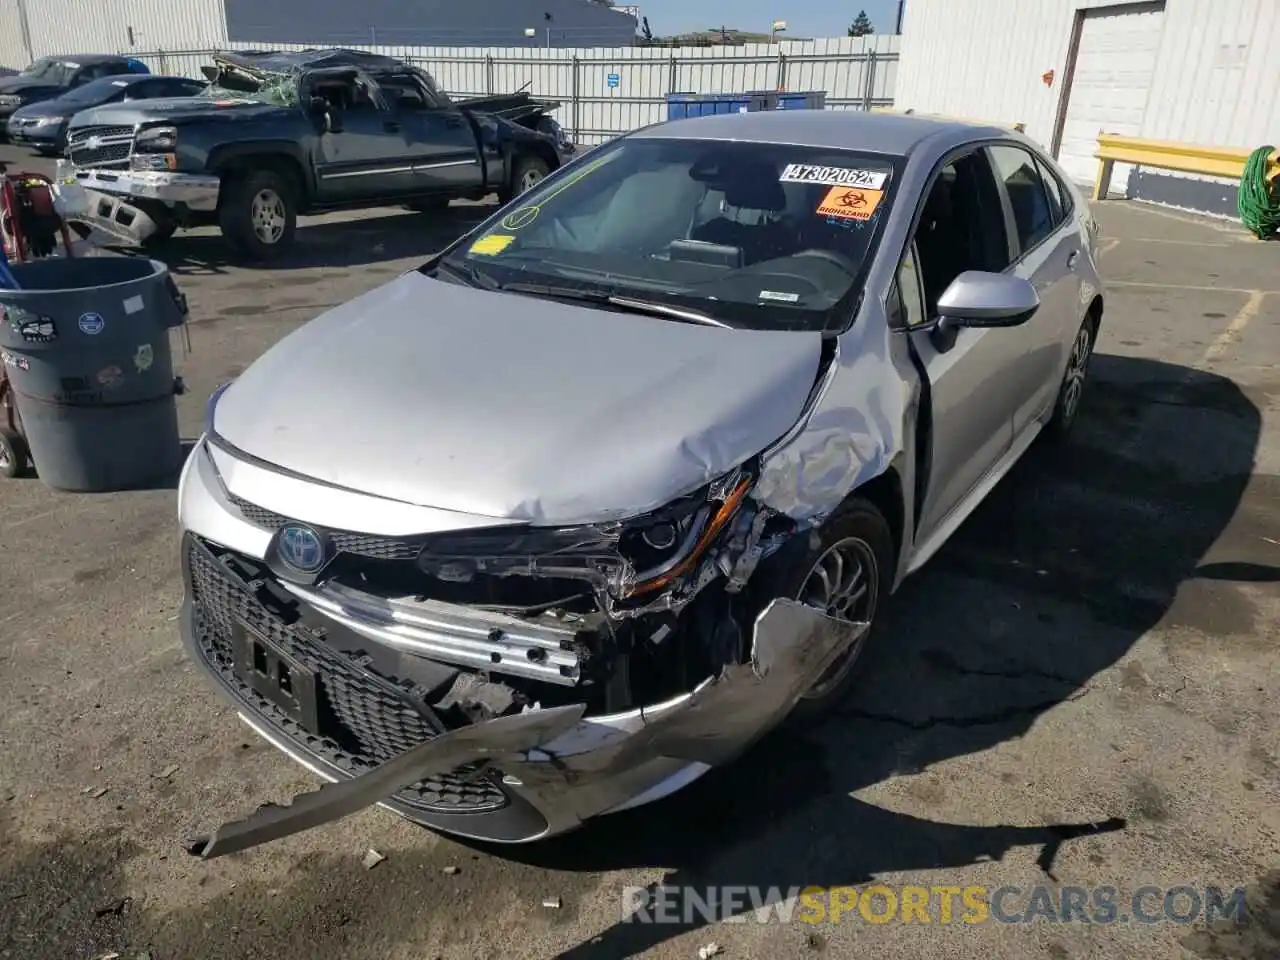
column 471, row 274
column 647, row 307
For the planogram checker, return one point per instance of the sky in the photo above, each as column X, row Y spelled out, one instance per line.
column 805, row 18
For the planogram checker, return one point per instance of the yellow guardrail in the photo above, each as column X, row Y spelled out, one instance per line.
column 1020, row 127
column 1168, row 155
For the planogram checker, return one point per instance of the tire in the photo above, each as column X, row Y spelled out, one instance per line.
column 258, row 213
column 857, row 531
column 13, row 454
column 529, row 168
column 1066, row 409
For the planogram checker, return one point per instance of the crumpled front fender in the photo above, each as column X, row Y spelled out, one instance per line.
column 558, row 751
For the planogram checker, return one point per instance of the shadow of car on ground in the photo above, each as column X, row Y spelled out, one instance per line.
column 1046, row 585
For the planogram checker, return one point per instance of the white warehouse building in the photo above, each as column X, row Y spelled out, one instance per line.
column 1195, row 71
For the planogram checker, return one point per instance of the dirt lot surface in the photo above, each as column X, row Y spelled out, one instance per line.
column 1080, row 690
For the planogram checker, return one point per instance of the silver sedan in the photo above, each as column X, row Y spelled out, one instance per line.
column 623, row 478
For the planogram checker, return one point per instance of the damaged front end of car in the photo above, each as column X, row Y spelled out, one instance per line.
column 503, row 683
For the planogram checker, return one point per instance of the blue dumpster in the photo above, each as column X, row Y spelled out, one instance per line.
column 809, row 100
column 681, row 105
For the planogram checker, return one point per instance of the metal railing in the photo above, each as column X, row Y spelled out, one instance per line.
column 1226, row 162
column 605, row 94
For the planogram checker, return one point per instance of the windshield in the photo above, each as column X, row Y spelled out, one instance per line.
column 96, row 91
column 766, row 236
column 277, row 89
column 53, row 72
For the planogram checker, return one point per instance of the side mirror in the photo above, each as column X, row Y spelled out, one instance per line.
column 980, row 299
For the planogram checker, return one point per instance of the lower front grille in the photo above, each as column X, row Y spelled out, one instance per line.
column 365, row 719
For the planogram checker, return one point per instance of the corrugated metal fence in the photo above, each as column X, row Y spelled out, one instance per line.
column 609, row 91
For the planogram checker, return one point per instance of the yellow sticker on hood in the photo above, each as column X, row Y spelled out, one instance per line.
column 493, row 243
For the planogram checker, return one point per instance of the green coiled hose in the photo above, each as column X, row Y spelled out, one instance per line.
column 1257, row 202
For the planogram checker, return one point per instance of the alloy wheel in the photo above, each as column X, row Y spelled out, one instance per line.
column 267, row 216
column 843, row 584
column 529, row 179
column 1077, row 372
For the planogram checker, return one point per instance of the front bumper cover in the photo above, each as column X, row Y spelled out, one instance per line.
column 560, row 767
column 106, row 199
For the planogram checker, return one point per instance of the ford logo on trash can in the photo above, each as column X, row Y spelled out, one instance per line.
column 301, row 548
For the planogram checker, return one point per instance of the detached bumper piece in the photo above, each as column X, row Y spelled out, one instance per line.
column 106, row 198
column 318, row 695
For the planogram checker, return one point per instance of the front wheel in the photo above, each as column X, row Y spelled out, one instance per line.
column 844, row 569
column 528, row 171
column 258, row 213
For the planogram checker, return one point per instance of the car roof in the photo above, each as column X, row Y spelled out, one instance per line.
column 283, row 61
column 84, row 59
column 886, row 133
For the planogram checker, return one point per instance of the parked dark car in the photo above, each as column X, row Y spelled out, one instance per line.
column 279, row 134
column 51, row 77
column 43, row 125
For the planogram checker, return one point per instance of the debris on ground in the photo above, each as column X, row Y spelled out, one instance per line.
column 116, row 908
column 166, row 773
column 709, row 951
column 372, row 859
column 94, row 792
column 451, row 871
column 551, row 903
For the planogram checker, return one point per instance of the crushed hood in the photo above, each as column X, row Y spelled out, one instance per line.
column 513, row 407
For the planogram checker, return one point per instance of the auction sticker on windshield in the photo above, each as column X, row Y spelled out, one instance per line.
column 833, row 176
column 850, row 203
column 493, row 244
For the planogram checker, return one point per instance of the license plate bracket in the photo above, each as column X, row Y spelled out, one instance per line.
column 277, row 676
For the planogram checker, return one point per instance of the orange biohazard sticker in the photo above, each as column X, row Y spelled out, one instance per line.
column 850, row 203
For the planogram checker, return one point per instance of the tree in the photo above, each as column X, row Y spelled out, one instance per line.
column 861, row 25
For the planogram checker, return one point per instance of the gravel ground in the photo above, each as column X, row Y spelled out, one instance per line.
column 1079, row 691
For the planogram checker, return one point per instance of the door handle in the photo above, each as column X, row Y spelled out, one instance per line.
column 1073, row 259
column 453, row 122
column 391, row 126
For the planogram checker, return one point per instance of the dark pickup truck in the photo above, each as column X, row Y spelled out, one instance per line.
column 279, row 134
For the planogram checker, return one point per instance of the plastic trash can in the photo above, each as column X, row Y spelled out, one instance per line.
column 85, row 344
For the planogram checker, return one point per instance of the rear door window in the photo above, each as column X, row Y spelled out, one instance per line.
column 1032, row 214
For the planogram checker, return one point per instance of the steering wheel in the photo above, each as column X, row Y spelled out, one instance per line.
column 839, row 259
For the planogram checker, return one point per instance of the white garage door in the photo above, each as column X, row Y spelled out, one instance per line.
column 1115, row 64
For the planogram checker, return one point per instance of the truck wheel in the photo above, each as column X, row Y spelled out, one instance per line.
column 529, row 169
column 258, row 213
column 13, row 454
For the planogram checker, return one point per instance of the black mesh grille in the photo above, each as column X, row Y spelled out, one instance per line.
column 365, row 721
column 361, row 544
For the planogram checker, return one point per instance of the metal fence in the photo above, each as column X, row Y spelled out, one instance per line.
column 609, row 91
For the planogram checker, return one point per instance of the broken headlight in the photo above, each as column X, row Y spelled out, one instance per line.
column 665, row 545
column 156, row 140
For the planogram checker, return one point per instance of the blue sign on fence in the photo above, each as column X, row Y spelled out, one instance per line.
column 614, row 81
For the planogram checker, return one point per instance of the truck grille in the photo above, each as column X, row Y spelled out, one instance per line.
column 100, row 146
column 362, row 544
column 364, row 719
